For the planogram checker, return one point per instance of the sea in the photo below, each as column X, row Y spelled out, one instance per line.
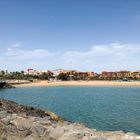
column 105, row 108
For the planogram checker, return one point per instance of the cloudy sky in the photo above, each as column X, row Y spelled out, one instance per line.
column 86, row 35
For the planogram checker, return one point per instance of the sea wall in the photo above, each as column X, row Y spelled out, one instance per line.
column 18, row 122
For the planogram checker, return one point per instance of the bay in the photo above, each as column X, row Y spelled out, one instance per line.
column 103, row 108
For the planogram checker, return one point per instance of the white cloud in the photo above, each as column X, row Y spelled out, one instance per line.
column 113, row 56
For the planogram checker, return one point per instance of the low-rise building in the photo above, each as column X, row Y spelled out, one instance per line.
column 34, row 72
column 123, row 74
column 106, row 74
column 135, row 74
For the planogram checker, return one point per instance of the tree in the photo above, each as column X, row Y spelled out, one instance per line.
column 63, row 77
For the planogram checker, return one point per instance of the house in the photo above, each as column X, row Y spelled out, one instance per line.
column 123, row 74
column 135, row 74
column 106, row 74
column 31, row 72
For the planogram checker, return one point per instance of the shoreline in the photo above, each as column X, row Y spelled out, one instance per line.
column 26, row 123
column 80, row 83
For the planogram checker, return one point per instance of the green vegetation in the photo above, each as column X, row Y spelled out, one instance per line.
column 67, row 76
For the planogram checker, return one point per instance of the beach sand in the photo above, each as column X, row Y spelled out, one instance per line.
column 80, row 83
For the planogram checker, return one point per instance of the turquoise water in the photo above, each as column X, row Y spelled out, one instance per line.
column 103, row 108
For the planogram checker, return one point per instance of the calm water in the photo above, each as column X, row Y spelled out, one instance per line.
column 103, row 108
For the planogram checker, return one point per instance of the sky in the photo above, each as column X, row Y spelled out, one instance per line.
column 85, row 35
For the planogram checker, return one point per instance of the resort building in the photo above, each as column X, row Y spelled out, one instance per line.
column 34, row 72
column 73, row 74
column 86, row 75
column 135, row 74
column 123, row 74
column 106, row 74
column 119, row 74
column 56, row 72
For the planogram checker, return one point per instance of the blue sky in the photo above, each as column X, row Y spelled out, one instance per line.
column 91, row 35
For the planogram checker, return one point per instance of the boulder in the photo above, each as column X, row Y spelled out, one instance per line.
column 3, row 114
column 22, row 123
column 31, row 137
column 40, row 130
column 80, row 134
column 6, row 120
column 53, row 116
column 55, row 133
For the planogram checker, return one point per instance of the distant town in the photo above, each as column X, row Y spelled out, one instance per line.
column 66, row 75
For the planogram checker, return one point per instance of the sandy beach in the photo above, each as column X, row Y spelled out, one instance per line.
column 80, row 83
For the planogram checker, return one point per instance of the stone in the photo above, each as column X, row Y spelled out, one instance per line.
column 3, row 138
column 6, row 120
column 68, row 137
column 99, row 138
column 55, row 133
column 22, row 123
column 40, row 130
column 138, row 137
column 3, row 114
column 86, row 138
column 30, row 137
column 46, row 118
column 43, row 122
column 53, row 116
column 80, row 134
column 34, row 119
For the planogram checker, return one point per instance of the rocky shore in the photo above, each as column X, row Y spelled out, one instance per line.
column 18, row 122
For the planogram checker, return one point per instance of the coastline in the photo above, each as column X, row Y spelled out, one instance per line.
column 79, row 83
column 28, row 123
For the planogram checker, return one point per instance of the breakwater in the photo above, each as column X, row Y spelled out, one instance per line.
column 2, row 84
column 27, row 123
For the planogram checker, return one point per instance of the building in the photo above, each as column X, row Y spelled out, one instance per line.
column 106, row 74
column 123, row 74
column 34, row 72
column 86, row 75
column 135, row 74
column 56, row 72
column 119, row 74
